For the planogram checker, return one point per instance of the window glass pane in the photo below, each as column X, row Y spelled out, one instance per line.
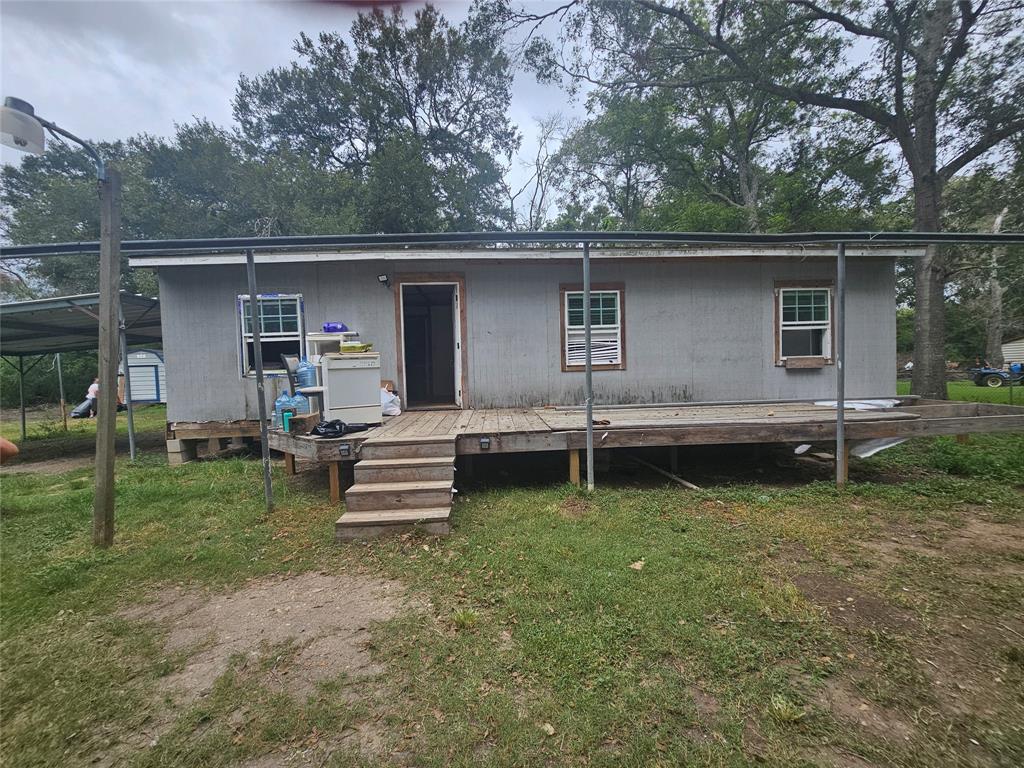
column 803, row 342
column 576, row 316
column 788, row 314
column 575, row 300
column 271, row 353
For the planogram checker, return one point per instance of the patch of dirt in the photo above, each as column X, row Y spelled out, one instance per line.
column 986, row 536
column 846, row 704
column 849, row 605
column 325, row 618
column 574, row 508
column 80, row 455
column 836, row 758
column 49, row 466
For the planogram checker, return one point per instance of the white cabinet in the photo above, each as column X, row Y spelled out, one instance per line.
column 351, row 387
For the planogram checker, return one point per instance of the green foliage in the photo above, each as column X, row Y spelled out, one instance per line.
column 419, row 111
column 41, row 384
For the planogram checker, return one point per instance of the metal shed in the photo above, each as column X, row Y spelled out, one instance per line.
column 148, row 376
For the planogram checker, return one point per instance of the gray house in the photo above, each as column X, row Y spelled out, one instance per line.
column 503, row 327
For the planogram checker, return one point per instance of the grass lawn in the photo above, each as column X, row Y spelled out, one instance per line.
column 772, row 621
column 971, row 392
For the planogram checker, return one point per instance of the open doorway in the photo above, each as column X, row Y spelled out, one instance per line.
column 431, row 344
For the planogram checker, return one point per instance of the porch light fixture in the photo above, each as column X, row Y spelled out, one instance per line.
column 384, row 280
column 485, row 443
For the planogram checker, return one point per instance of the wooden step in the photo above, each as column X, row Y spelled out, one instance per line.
column 405, row 470
column 407, row 448
column 355, row 526
column 416, row 494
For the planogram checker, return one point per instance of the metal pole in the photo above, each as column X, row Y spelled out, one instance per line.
column 127, row 383
column 588, row 366
column 842, row 469
column 21, row 393
column 110, row 301
column 60, row 386
column 257, row 356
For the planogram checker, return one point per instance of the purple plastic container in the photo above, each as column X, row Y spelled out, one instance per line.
column 335, row 327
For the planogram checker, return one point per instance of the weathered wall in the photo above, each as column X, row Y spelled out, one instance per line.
column 695, row 330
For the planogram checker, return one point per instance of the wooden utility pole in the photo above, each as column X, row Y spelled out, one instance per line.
column 110, row 305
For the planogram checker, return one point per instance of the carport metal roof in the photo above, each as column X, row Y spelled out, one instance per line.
column 71, row 323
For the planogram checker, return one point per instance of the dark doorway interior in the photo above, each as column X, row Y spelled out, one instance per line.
column 428, row 314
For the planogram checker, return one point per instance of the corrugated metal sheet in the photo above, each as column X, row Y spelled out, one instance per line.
column 69, row 323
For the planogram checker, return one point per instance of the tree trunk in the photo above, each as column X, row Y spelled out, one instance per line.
column 994, row 324
column 929, row 376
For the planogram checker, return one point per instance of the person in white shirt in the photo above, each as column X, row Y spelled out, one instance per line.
column 92, row 395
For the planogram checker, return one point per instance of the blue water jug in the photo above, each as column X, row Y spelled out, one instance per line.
column 300, row 404
column 284, row 400
column 305, row 374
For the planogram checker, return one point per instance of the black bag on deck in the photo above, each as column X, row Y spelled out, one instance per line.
column 336, row 429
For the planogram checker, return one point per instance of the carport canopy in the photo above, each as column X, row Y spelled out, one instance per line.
column 71, row 324
column 43, row 327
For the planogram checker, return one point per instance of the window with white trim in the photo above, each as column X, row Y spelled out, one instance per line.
column 805, row 323
column 280, row 319
column 605, row 329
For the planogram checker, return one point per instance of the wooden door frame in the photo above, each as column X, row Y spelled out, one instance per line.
column 458, row 279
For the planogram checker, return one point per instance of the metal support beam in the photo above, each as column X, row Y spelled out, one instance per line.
column 261, row 402
column 21, row 394
column 842, row 457
column 588, row 367
column 60, row 387
column 127, row 384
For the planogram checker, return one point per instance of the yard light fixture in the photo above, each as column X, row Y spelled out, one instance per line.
column 384, row 280
column 22, row 129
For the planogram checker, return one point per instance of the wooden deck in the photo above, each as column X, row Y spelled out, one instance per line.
column 402, row 472
column 538, row 429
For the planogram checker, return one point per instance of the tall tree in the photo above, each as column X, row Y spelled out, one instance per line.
column 941, row 80
column 425, row 90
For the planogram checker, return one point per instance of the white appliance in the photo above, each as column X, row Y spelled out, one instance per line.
column 351, row 387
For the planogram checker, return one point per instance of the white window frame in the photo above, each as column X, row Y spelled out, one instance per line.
column 601, row 334
column 783, row 325
column 245, row 338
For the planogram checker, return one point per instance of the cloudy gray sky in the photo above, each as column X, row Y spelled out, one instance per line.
column 110, row 69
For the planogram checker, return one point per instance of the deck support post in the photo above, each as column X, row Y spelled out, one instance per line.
column 673, row 459
column 127, row 381
column 289, row 463
column 261, row 401
column 842, row 453
column 574, row 466
column 588, row 366
column 334, row 474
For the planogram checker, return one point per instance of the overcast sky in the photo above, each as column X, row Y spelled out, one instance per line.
column 111, row 69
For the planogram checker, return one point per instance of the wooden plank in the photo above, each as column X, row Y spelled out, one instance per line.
column 942, row 426
column 461, row 422
column 505, row 421
column 207, row 429
column 803, row 431
column 574, row 465
column 334, row 473
column 513, row 443
column 444, row 426
column 289, row 463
